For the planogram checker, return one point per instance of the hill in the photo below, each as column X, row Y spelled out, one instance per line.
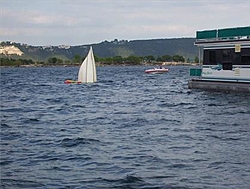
column 154, row 47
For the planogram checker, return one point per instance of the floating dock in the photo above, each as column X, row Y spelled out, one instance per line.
column 219, row 85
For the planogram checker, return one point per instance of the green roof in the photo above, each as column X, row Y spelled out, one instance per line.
column 223, row 33
column 206, row 34
column 234, row 32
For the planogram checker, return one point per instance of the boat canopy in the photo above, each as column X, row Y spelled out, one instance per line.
column 227, row 33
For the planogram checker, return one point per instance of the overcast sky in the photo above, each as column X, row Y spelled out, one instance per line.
column 77, row 22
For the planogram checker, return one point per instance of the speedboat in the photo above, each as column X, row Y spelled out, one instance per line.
column 157, row 70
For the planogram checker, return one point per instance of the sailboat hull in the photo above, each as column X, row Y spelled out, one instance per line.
column 72, row 82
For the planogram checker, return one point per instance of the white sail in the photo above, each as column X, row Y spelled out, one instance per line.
column 87, row 71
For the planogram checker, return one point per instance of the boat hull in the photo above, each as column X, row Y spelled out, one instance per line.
column 238, row 73
column 156, row 71
column 72, row 82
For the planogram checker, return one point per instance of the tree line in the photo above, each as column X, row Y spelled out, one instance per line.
column 116, row 60
column 15, row 62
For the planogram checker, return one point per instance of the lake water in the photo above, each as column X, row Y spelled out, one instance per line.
column 128, row 130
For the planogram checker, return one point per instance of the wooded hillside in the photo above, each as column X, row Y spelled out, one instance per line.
column 153, row 47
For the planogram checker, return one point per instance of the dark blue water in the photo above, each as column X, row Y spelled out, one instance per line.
column 129, row 130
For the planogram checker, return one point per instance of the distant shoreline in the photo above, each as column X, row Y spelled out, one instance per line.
column 101, row 64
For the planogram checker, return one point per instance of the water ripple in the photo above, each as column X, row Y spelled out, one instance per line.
column 68, row 142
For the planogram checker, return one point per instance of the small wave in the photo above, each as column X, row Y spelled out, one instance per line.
column 224, row 138
column 107, row 81
column 4, row 125
column 10, row 110
column 212, row 104
column 54, row 100
column 73, row 158
column 179, row 166
column 180, row 147
column 78, row 106
column 11, row 136
column 216, row 165
column 130, row 181
column 14, row 183
column 33, row 119
column 171, row 104
column 137, row 122
column 7, row 162
column 200, row 152
column 68, row 142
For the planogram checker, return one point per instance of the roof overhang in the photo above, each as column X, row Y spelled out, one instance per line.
column 244, row 43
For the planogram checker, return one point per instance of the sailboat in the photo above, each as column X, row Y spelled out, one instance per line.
column 87, row 71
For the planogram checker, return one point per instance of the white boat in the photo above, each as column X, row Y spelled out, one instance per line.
column 226, row 54
column 226, row 60
column 160, row 70
column 87, row 71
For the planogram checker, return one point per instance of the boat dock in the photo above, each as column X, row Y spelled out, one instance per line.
column 219, row 85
